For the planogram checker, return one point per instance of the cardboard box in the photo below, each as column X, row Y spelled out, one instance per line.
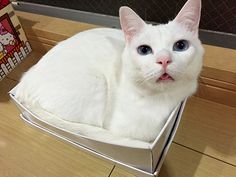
column 140, row 161
column 14, row 46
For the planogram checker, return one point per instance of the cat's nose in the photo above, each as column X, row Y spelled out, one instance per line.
column 164, row 61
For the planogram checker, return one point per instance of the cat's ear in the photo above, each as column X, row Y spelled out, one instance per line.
column 131, row 23
column 189, row 15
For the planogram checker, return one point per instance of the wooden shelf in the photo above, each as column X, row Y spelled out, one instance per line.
column 204, row 146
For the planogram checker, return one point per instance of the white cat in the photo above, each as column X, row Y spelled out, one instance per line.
column 125, row 81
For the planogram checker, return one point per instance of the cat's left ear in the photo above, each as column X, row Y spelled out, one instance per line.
column 131, row 23
column 189, row 15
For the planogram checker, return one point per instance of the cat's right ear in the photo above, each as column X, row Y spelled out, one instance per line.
column 130, row 22
column 189, row 15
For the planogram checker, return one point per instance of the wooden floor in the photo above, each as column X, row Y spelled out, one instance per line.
column 204, row 146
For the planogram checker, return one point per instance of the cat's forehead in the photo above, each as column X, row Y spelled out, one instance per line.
column 162, row 35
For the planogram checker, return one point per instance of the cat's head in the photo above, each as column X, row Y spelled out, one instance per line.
column 163, row 56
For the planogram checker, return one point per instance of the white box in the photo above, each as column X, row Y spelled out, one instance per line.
column 143, row 162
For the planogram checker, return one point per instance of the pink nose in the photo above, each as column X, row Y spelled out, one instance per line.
column 164, row 61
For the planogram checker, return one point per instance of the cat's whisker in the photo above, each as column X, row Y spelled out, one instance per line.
column 140, row 82
column 157, row 73
column 148, row 76
column 152, row 73
column 179, row 72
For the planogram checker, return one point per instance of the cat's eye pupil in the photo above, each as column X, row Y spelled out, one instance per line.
column 144, row 50
column 181, row 45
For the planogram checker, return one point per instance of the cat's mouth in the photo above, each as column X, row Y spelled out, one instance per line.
column 165, row 77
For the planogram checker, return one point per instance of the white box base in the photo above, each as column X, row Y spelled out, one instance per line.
column 143, row 162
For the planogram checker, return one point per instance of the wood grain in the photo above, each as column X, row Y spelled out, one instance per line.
column 52, row 28
column 183, row 162
column 209, row 127
column 119, row 172
column 220, row 58
column 40, row 47
column 217, row 83
column 217, row 94
column 42, row 40
column 11, row 170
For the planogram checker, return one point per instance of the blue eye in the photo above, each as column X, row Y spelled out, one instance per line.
column 144, row 50
column 181, row 45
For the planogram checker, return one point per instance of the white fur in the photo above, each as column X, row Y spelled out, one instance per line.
column 97, row 78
